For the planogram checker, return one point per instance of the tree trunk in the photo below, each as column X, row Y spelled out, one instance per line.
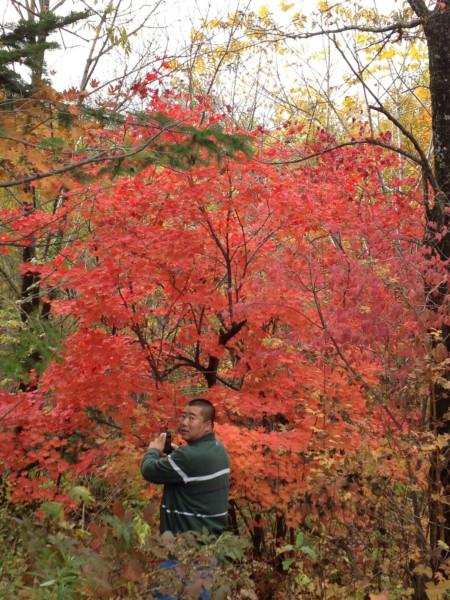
column 37, row 71
column 437, row 239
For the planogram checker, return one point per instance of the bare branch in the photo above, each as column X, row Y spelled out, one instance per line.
column 423, row 161
column 397, row 26
column 423, row 158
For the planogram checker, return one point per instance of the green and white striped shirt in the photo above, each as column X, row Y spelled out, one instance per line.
column 196, row 480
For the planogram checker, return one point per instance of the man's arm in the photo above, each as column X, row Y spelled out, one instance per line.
column 157, row 469
column 161, row 470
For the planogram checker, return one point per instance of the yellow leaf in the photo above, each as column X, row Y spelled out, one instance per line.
column 437, row 591
column 441, row 442
column 443, row 545
column 388, row 53
column 285, row 6
column 423, row 570
column 213, row 23
column 263, row 12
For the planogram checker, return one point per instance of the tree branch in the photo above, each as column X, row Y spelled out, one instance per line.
column 371, row 141
column 100, row 157
column 381, row 108
column 420, row 8
column 398, row 26
column 423, row 158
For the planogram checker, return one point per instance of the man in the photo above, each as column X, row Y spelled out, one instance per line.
column 195, row 476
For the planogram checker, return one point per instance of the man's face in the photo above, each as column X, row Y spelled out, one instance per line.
column 192, row 424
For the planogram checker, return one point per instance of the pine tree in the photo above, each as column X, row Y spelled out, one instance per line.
column 24, row 44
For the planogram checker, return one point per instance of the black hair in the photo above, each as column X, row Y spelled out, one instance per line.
column 208, row 410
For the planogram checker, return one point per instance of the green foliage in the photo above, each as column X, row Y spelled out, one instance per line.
column 124, row 531
column 39, row 561
column 56, row 560
column 298, row 549
column 54, row 144
column 229, row 547
column 196, row 145
column 53, row 511
column 59, row 574
column 107, row 546
column 19, row 343
column 64, row 117
column 219, row 565
column 202, row 143
column 81, row 494
column 25, row 44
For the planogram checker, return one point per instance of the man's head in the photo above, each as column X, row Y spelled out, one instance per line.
column 197, row 419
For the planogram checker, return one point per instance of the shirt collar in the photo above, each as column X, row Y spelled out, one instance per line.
column 209, row 437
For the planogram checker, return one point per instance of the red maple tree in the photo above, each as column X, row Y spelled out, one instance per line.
column 289, row 294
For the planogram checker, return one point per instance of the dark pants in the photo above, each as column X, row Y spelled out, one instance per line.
column 172, row 564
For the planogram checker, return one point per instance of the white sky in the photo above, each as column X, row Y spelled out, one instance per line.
column 168, row 30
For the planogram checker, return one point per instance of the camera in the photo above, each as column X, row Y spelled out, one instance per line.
column 168, row 443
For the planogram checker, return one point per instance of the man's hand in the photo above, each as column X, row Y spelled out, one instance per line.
column 158, row 444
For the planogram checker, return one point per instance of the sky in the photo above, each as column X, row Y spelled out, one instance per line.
column 166, row 31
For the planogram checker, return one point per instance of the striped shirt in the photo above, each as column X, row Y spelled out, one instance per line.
column 196, row 483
